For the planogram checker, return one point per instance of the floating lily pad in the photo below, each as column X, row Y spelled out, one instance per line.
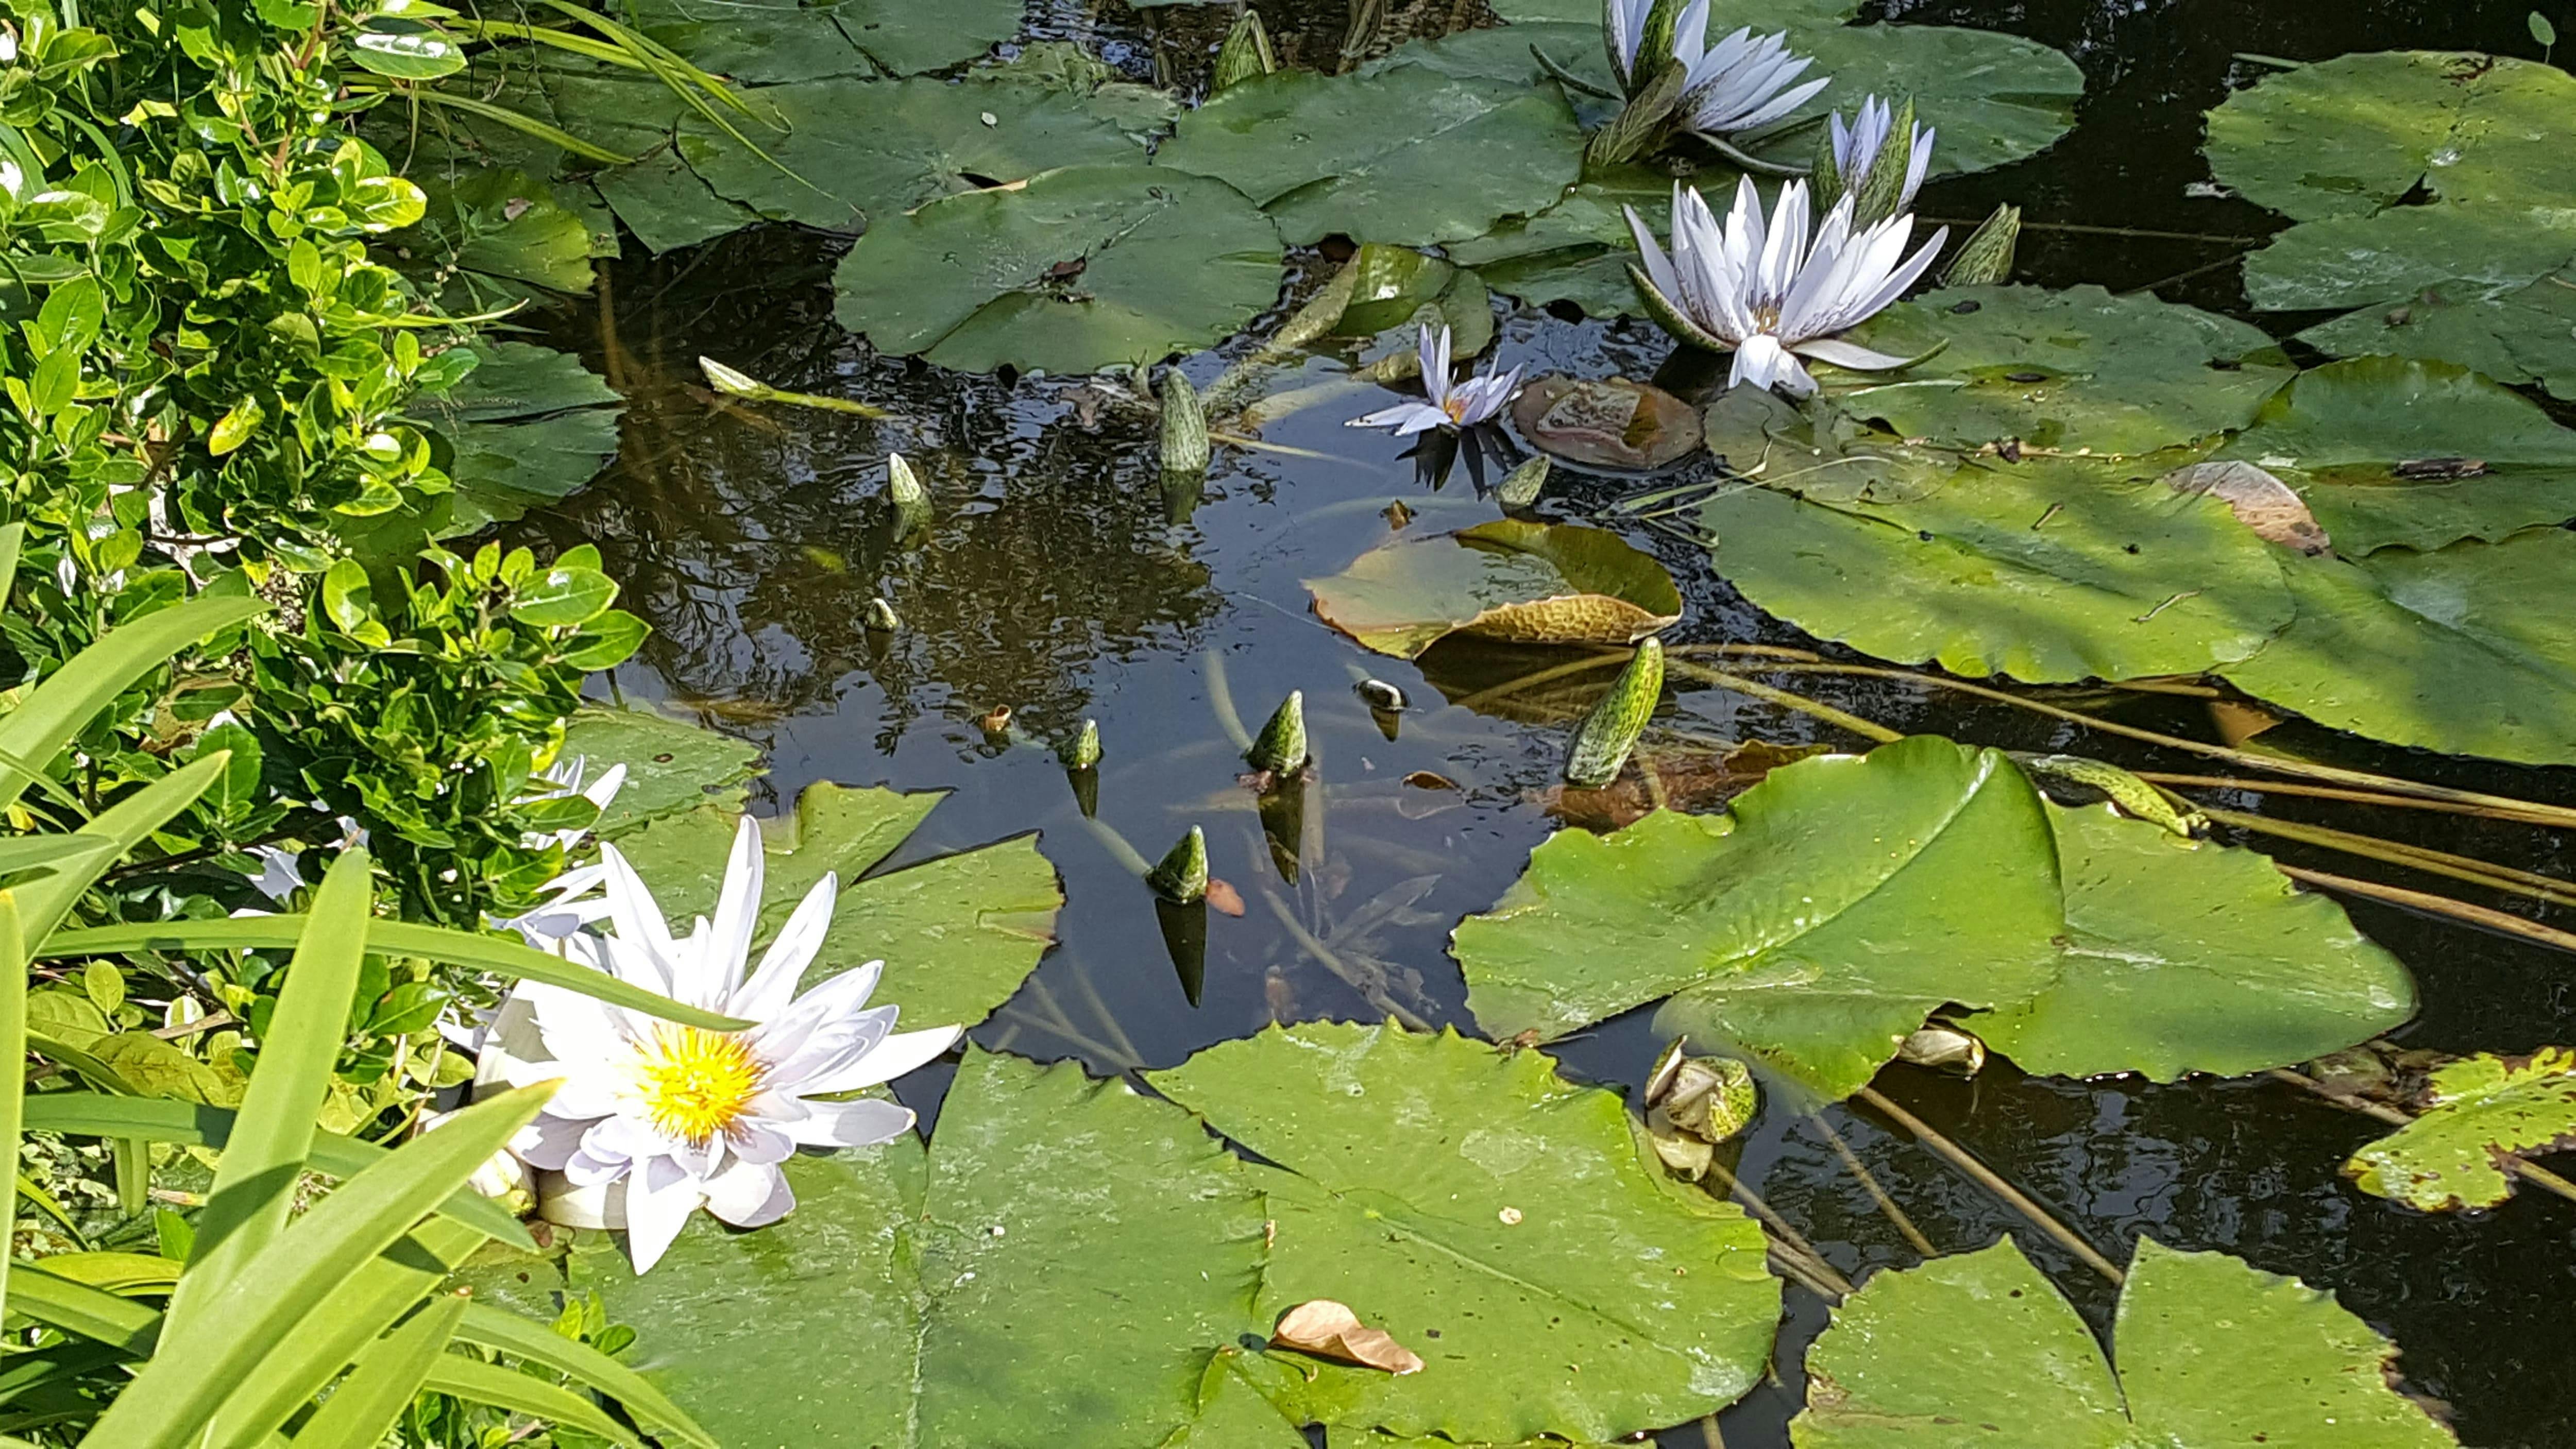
column 763, row 42
column 2045, row 573
column 2077, row 371
column 1405, row 155
column 958, row 933
column 1494, row 1217
column 2519, row 335
column 1818, row 451
column 866, row 150
column 2388, row 451
column 1995, row 98
column 1540, row 583
column 2478, row 1109
column 1578, row 250
column 528, row 426
column 671, row 765
column 1078, row 269
column 2458, row 650
column 2210, row 1351
column 1606, row 422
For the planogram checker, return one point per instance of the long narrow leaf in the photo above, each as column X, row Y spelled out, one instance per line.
column 388, row 938
column 51, row 1206
column 481, row 1383
column 55, row 711
column 273, row 1132
column 188, row 1124
column 656, row 56
column 362, row 1410
column 63, row 1363
column 582, row 45
column 276, row 1294
column 113, row 833
column 13, row 539
column 13, row 1055
column 22, row 853
column 516, row 120
column 538, row 1343
column 96, row 1315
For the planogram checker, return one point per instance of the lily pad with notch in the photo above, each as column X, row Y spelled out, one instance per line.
column 2476, row 1110
column 2521, row 336
column 671, row 765
column 1508, row 580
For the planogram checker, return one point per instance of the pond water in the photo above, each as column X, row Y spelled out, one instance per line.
column 1056, row 584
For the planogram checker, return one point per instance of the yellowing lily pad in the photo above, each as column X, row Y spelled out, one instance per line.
column 2482, row 1107
column 1532, row 583
column 1606, row 422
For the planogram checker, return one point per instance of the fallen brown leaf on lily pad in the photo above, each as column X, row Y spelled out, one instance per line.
column 1530, row 583
column 1331, row 1330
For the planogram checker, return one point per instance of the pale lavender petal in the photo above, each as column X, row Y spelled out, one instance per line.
column 852, row 1124
column 774, row 984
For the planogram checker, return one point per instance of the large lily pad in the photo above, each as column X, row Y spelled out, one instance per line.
column 671, row 765
column 2045, row 574
column 762, row 42
column 1845, row 898
column 1495, row 1218
column 2478, row 1109
column 958, row 934
column 1578, row 250
column 1979, row 1348
column 1551, row 583
column 1405, row 155
column 2458, row 650
column 2522, row 335
column 1078, row 269
column 2376, row 447
column 865, row 150
column 2077, row 371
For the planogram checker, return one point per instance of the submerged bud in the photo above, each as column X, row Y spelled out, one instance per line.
column 881, row 617
column 1280, row 748
column 1377, row 694
column 1602, row 744
column 1986, row 258
column 1185, row 434
column 1182, row 876
column 1245, row 54
column 1083, row 750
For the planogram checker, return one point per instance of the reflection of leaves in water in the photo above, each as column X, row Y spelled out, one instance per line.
column 752, row 538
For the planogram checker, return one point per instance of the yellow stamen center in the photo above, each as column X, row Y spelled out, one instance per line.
column 697, row 1082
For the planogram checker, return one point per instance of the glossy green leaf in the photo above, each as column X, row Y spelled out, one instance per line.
column 75, row 1307
column 563, row 598
column 13, row 1043
column 671, row 765
column 2209, row 1351
column 477, row 1382
column 2042, row 572
column 2476, row 1110
column 382, row 1383
column 1556, row 583
column 2442, row 651
column 958, row 933
column 528, row 425
column 1407, row 155
column 2077, row 371
column 1077, row 270
column 410, row 50
column 2348, row 435
column 2521, row 336
column 538, row 1343
column 48, row 716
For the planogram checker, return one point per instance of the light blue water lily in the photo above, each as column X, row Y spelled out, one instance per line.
column 1454, row 406
column 1857, row 147
column 1738, row 84
column 1773, row 294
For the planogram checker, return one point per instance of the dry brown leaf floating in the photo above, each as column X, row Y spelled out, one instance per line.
column 1328, row 1329
column 1223, row 898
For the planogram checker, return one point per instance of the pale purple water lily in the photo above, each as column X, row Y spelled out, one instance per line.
column 685, row 1117
column 1738, row 84
column 1856, row 148
column 1455, row 406
column 1775, row 294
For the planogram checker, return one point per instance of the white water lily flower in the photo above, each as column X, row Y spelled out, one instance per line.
column 1856, row 148
column 1770, row 294
column 1740, row 83
column 686, row 1117
column 1460, row 406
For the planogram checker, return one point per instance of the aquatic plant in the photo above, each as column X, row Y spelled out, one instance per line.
column 1453, row 406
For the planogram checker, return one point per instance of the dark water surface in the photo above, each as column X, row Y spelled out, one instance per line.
column 752, row 538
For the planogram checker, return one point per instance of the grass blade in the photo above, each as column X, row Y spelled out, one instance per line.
column 56, row 710
column 483, row 1383
column 519, row 121
column 13, row 1055
column 538, row 1343
column 94, row 1314
column 114, row 832
column 362, row 1410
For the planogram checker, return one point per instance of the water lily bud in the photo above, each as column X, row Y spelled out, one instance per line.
column 1379, row 695
column 1607, row 734
column 1083, row 750
column 1246, row 52
column 882, row 618
column 1185, row 434
column 1640, row 123
column 1943, row 1047
column 1520, row 487
column 1182, row 875
column 1280, row 748
column 1986, row 258
column 1825, row 174
column 2131, row 795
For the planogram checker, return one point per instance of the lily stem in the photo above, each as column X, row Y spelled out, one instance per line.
column 1886, row 1205
column 2494, row 920
column 1797, row 1257
column 2414, row 857
column 2328, row 792
column 1986, row 1177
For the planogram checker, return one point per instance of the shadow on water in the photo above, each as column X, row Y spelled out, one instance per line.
column 1053, row 582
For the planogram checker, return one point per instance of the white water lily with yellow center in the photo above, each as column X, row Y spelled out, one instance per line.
column 682, row 1117
column 1455, row 407
column 1742, row 83
column 1775, row 293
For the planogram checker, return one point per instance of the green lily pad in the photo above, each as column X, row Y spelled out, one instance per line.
column 2368, row 444
column 958, row 933
column 2376, row 262
column 527, row 427
column 2523, row 336
column 1494, row 1218
column 2458, row 650
column 765, row 42
column 671, row 765
column 2043, row 573
column 2477, row 1109
column 870, row 149
column 1539, row 583
column 1405, row 155
column 1818, row 451
column 668, row 206
column 2188, row 956
column 1578, row 250
column 2210, row 1351
column 2078, row 371
column 1079, row 269
column 1995, row 98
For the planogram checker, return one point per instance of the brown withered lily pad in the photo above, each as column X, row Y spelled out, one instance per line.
column 1612, row 423
column 1509, row 580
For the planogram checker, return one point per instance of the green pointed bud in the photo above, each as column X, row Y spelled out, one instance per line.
column 1185, row 434
column 911, row 501
column 1601, row 746
column 1083, row 750
column 1639, row 124
column 1882, row 191
column 1667, row 313
column 1182, row 876
column 1825, row 174
column 1245, row 54
column 881, row 617
column 1520, row 487
column 1986, row 258
column 1280, row 748
column 2128, row 794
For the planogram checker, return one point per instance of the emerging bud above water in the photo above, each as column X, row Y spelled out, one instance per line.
column 1185, row 434
column 1280, row 748
column 1986, row 258
column 1602, row 744
column 881, row 617
column 1082, row 751
column 1182, row 875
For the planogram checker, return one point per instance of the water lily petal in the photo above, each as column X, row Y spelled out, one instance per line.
column 852, row 1124
column 724, row 944
column 774, row 984
column 750, row 1195
column 659, row 1199
column 638, row 919
column 1405, row 418
column 897, row 1055
column 549, row 1141
column 1848, row 355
